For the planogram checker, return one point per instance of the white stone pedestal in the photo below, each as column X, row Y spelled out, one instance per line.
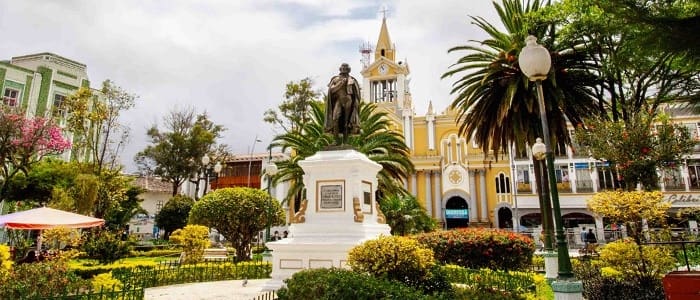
column 551, row 265
column 340, row 213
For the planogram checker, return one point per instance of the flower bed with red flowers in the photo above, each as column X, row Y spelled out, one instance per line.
column 478, row 248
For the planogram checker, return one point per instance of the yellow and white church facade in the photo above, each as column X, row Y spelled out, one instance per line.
column 460, row 185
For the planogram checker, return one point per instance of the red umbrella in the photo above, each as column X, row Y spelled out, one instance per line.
column 46, row 218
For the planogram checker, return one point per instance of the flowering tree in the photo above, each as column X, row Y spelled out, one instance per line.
column 637, row 148
column 23, row 142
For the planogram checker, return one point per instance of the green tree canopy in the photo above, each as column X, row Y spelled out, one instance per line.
column 638, row 147
column 296, row 107
column 176, row 154
column 173, row 215
column 238, row 214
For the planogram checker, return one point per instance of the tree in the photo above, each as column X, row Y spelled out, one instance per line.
column 634, row 75
column 296, row 107
column 176, row 154
column 238, row 214
column 94, row 122
column 633, row 209
column 25, row 141
column 174, row 214
column 405, row 216
column 38, row 184
column 127, row 206
column 634, row 150
column 630, row 208
column 493, row 85
column 382, row 145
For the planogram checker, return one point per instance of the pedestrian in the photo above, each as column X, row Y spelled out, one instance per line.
column 276, row 236
column 591, row 241
column 583, row 235
column 285, row 234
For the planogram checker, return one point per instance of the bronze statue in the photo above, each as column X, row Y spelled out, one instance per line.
column 343, row 105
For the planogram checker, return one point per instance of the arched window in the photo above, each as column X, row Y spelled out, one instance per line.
column 502, row 184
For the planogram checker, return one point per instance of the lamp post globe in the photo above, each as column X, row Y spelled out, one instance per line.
column 539, row 149
column 206, row 160
column 217, row 167
column 534, row 60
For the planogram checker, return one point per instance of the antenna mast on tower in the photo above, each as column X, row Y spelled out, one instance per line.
column 365, row 50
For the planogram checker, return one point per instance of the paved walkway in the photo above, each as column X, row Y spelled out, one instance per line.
column 229, row 289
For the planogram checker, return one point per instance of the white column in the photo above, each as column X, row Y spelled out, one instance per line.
column 482, row 196
column 600, row 229
column 414, row 188
column 428, row 195
column 472, row 197
column 431, row 132
column 438, row 197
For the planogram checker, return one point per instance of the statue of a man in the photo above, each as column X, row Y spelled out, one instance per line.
column 343, row 105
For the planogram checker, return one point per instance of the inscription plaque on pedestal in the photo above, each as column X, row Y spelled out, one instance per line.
column 330, row 196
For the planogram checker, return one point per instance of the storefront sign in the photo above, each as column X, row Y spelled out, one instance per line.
column 683, row 199
column 457, row 213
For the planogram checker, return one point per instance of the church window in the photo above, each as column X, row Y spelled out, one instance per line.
column 383, row 52
column 502, row 184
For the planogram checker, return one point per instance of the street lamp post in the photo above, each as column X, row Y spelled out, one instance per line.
column 250, row 157
column 210, row 172
column 535, row 63
column 270, row 171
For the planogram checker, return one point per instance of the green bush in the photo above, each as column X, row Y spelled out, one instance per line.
column 394, row 257
column 340, row 284
column 106, row 247
column 600, row 286
column 40, row 279
column 479, row 248
column 156, row 253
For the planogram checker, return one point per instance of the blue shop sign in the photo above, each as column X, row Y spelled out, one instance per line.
column 457, row 213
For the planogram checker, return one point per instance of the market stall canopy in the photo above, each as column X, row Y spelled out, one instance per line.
column 46, row 218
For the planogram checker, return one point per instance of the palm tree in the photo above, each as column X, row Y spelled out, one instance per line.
column 380, row 144
column 496, row 102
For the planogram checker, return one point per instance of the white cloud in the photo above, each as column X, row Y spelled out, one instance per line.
column 233, row 58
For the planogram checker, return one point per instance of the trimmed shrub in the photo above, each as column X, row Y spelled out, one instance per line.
column 193, row 239
column 394, row 257
column 340, row 284
column 478, row 248
column 87, row 271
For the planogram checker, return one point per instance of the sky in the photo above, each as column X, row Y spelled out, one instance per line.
column 232, row 59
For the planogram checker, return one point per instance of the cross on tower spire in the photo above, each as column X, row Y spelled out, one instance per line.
column 383, row 10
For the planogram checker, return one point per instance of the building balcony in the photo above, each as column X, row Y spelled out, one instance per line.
column 235, row 181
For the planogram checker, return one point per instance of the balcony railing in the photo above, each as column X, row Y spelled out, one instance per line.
column 524, row 188
column 234, row 181
column 584, row 186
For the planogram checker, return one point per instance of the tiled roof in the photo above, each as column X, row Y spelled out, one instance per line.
column 153, row 184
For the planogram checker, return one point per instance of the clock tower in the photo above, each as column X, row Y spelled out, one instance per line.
column 385, row 83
